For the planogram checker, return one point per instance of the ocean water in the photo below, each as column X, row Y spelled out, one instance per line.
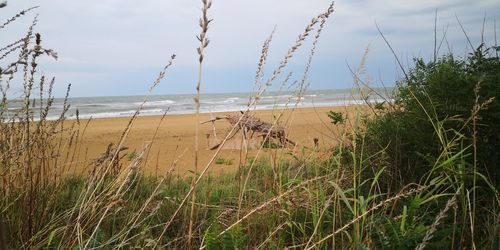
column 125, row 106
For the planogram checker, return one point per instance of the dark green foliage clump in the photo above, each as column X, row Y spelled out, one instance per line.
column 335, row 117
column 436, row 104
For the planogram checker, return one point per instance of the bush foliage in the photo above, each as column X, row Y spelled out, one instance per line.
column 443, row 104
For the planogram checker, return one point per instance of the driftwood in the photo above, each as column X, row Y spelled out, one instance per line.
column 254, row 125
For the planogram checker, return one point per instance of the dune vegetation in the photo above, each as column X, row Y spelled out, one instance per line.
column 416, row 171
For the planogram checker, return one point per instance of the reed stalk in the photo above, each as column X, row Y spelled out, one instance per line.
column 202, row 38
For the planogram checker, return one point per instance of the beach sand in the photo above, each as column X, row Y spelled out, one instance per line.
column 172, row 149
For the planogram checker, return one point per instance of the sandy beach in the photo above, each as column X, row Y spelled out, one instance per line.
column 171, row 141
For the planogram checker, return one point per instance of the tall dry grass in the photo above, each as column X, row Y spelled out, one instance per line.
column 303, row 198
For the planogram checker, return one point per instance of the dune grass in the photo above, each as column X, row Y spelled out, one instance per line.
column 361, row 195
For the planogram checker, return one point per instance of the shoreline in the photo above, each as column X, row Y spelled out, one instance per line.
column 126, row 106
column 192, row 112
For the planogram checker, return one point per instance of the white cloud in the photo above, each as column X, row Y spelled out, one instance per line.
column 130, row 34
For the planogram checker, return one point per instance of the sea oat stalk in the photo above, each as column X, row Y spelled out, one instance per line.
column 202, row 38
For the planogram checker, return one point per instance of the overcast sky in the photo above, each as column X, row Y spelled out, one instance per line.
column 117, row 47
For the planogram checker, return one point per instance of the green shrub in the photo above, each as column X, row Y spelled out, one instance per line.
column 223, row 161
column 335, row 117
column 435, row 106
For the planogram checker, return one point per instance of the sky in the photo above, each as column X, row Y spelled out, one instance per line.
column 117, row 47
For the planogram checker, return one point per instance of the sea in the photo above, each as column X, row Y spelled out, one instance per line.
column 126, row 106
